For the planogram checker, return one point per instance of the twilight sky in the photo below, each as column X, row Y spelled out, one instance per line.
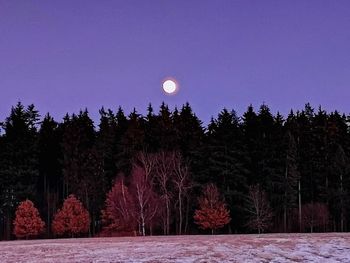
column 67, row 55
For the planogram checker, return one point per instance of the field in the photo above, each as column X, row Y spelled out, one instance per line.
column 330, row 247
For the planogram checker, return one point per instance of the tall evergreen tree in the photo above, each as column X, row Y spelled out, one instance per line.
column 19, row 169
column 132, row 141
column 106, row 144
column 121, row 160
column 50, row 169
column 82, row 165
column 229, row 162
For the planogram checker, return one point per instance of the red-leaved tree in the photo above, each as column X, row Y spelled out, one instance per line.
column 27, row 222
column 212, row 213
column 118, row 215
column 72, row 219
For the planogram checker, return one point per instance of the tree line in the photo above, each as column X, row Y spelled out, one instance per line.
column 160, row 173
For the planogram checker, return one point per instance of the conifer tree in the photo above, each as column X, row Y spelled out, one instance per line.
column 165, row 130
column 120, row 153
column 50, row 169
column 132, row 141
column 19, row 160
column 189, row 131
column 228, row 161
column 82, row 164
column 106, row 144
column 152, row 144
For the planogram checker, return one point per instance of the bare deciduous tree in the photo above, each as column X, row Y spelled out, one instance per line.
column 146, row 200
column 147, row 161
column 259, row 210
column 182, row 183
column 119, row 212
column 164, row 170
column 315, row 215
column 168, row 172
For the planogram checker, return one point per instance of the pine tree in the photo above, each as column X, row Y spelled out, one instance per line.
column 291, row 179
column 78, row 139
column 50, row 169
column 106, row 144
column 151, row 131
column 165, row 130
column 250, row 127
column 228, row 161
column 131, row 142
column 72, row 220
column 189, row 131
column 19, row 160
column 27, row 222
column 120, row 157
column 83, row 165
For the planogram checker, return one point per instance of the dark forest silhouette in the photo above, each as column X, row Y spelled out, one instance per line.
column 274, row 173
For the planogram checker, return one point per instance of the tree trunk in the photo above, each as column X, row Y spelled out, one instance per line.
column 341, row 205
column 187, row 213
column 8, row 224
column 285, row 203
column 299, row 191
column 48, row 214
column 87, row 205
column 180, row 213
column 143, row 223
column 164, row 226
column 167, row 216
column 143, row 228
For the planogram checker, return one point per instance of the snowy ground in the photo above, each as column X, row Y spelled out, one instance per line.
column 330, row 247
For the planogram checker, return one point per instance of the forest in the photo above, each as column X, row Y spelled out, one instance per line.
column 165, row 173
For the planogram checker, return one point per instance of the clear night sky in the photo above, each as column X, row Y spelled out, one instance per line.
column 67, row 55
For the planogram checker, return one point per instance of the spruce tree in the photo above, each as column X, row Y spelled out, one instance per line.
column 19, row 169
column 228, row 161
column 50, row 169
column 106, row 144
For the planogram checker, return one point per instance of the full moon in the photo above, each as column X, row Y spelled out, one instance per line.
column 169, row 86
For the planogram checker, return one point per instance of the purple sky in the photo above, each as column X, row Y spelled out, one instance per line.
column 67, row 55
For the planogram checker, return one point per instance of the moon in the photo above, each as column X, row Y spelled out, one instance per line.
column 169, row 86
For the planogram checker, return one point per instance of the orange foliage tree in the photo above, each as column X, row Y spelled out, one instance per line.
column 212, row 213
column 72, row 219
column 27, row 222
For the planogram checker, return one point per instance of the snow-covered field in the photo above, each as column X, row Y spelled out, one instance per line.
column 330, row 247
